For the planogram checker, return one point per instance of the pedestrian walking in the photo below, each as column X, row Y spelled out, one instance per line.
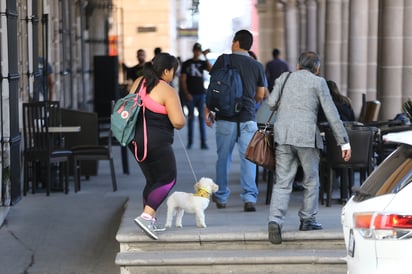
column 240, row 128
column 298, row 141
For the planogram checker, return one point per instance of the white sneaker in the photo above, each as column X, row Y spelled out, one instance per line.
column 147, row 226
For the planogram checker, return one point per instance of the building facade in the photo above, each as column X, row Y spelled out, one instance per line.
column 365, row 46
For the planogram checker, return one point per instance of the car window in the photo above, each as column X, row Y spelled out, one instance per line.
column 407, row 180
column 397, row 178
column 391, row 176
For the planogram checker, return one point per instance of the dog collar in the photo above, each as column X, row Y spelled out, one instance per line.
column 202, row 193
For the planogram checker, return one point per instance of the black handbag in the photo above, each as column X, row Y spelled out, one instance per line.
column 261, row 150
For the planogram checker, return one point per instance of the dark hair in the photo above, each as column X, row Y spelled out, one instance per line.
column 275, row 53
column 336, row 95
column 245, row 39
column 152, row 71
column 252, row 54
column 157, row 50
column 309, row 60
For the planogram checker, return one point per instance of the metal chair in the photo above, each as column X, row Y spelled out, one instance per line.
column 362, row 142
column 41, row 148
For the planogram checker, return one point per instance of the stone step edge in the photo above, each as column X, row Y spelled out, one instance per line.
column 187, row 236
column 230, row 257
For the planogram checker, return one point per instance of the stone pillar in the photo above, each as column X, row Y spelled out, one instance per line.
column 302, row 25
column 372, row 49
column 358, row 53
column 321, row 32
column 271, row 28
column 407, row 55
column 265, row 29
column 279, row 30
column 343, row 85
column 333, row 40
column 292, row 33
column 311, row 31
column 391, row 57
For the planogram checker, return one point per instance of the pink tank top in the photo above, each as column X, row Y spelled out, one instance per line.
column 151, row 104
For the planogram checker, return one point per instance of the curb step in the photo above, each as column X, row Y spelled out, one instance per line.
column 228, row 249
column 233, row 261
column 225, row 257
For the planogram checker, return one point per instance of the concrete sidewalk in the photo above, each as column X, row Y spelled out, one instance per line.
column 75, row 233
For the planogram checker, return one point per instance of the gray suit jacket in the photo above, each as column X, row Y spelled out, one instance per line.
column 296, row 119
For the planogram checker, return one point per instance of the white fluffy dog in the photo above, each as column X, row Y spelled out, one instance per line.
column 196, row 203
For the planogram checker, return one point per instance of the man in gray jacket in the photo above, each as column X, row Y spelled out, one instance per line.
column 298, row 141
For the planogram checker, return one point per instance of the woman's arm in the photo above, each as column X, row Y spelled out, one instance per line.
column 173, row 106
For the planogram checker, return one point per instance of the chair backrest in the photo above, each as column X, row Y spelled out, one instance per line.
column 361, row 141
column 88, row 122
column 105, row 135
column 370, row 111
column 37, row 118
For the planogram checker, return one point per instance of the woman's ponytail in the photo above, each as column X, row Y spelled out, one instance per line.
column 150, row 75
column 152, row 71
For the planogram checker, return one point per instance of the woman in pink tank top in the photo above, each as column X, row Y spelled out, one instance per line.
column 162, row 113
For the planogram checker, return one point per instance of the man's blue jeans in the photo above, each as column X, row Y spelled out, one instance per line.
column 198, row 101
column 226, row 137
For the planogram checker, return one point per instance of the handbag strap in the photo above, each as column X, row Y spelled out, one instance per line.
column 278, row 101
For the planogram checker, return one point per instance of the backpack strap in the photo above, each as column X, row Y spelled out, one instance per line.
column 226, row 60
column 141, row 92
column 139, row 86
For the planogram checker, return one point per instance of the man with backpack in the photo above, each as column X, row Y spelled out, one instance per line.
column 240, row 127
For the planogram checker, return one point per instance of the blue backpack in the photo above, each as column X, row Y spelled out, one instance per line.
column 225, row 91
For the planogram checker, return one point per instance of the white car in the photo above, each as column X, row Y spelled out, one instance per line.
column 377, row 220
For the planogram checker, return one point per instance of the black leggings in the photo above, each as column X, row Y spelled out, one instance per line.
column 159, row 168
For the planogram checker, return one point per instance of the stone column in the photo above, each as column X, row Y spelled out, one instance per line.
column 373, row 19
column 265, row 28
column 332, row 62
column 358, row 53
column 302, row 25
column 292, row 33
column 279, row 38
column 311, row 31
column 391, row 57
column 271, row 28
column 343, row 85
column 407, row 54
column 321, row 32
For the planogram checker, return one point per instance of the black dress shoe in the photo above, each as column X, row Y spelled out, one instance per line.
column 204, row 146
column 297, row 187
column 218, row 204
column 309, row 225
column 249, row 207
column 275, row 235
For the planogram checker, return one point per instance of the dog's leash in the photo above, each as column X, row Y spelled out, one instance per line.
column 187, row 156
